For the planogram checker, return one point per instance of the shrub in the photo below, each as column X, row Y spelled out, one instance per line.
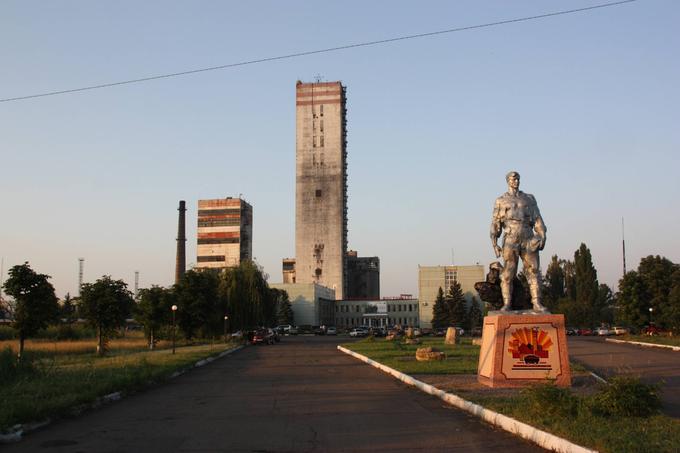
column 626, row 396
column 7, row 333
column 547, row 401
column 12, row 368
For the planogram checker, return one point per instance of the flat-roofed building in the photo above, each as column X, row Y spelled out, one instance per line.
column 225, row 233
column 389, row 311
column 288, row 270
column 363, row 276
column 312, row 304
column 431, row 278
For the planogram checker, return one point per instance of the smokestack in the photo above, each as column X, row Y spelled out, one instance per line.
column 181, row 262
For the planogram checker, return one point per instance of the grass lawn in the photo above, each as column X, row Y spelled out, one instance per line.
column 567, row 413
column 656, row 339
column 57, row 384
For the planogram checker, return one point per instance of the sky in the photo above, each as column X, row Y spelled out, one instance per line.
column 585, row 106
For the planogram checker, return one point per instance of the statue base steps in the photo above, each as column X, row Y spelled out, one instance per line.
column 519, row 350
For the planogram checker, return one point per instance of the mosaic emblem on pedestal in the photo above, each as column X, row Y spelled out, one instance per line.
column 530, row 349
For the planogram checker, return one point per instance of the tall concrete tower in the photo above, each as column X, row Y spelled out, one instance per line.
column 321, row 185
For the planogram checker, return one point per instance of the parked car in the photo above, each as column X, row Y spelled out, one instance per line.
column 620, row 330
column 283, row 329
column 572, row 331
column 318, row 330
column 358, row 332
column 586, row 331
column 602, row 332
column 653, row 329
column 331, row 330
column 263, row 336
column 293, row 330
column 277, row 336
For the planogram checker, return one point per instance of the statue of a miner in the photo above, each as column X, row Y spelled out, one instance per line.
column 516, row 214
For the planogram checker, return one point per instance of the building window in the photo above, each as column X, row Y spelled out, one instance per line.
column 321, row 141
column 321, row 110
column 314, row 141
column 321, row 125
column 318, row 271
column 318, row 193
column 410, row 307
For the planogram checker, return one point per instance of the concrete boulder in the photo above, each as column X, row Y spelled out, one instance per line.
column 428, row 354
column 451, row 336
column 412, row 341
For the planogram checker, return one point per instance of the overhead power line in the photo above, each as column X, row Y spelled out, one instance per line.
column 318, row 51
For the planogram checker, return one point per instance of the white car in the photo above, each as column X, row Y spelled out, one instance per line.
column 358, row 332
column 331, row 330
column 620, row 330
column 602, row 331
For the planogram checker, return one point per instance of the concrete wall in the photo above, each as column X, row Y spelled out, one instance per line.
column 320, row 185
column 431, row 278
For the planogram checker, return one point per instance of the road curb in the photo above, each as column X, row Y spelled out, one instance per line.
column 16, row 433
column 528, row 432
column 643, row 344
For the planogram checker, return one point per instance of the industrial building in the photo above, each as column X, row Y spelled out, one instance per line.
column 225, row 233
column 388, row 311
column 363, row 276
column 321, row 186
column 431, row 278
column 312, row 304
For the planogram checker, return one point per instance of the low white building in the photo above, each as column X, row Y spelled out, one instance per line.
column 388, row 311
column 312, row 303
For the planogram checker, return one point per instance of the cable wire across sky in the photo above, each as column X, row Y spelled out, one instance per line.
column 318, row 51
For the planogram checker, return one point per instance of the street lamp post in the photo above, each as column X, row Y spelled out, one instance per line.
column 650, row 315
column 174, row 309
column 226, row 319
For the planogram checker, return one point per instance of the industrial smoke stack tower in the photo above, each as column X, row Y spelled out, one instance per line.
column 180, row 264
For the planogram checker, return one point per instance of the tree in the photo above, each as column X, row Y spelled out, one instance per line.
column 474, row 315
column 285, row 313
column 554, row 283
column 632, row 301
column 67, row 312
column 457, row 305
column 201, row 308
column 440, row 311
column 569, row 279
column 587, row 286
column 673, row 310
column 154, row 310
column 36, row 305
column 248, row 296
column 106, row 304
column 605, row 303
column 656, row 273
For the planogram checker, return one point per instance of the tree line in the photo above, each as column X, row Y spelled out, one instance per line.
column 452, row 309
column 203, row 304
column 572, row 288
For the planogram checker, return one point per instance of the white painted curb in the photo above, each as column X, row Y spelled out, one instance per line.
column 18, row 431
column 646, row 345
column 540, row 438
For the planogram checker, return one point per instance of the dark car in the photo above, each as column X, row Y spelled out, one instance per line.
column 263, row 336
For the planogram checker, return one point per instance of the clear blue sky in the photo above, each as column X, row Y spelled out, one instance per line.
column 584, row 106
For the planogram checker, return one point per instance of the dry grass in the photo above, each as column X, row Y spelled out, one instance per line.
column 135, row 342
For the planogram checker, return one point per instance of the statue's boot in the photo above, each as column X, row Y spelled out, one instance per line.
column 536, row 300
column 506, row 291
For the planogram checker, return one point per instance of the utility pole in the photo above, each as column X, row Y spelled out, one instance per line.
column 136, row 284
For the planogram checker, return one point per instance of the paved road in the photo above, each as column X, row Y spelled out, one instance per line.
column 651, row 364
column 301, row 395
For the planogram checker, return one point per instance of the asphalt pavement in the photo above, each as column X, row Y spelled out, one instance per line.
column 652, row 365
column 301, row 395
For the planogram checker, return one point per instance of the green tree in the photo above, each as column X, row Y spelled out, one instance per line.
column 632, row 301
column 248, row 296
column 656, row 273
column 154, row 310
column 673, row 309
column 201, row 308
column 554, row 288
column 67, row 311
column 105, row 304
column 474, row 315
column 587, row 286
column 457, row 305
column 36, row 305
column 285, row 313
column 569, row 270
column 440, row 311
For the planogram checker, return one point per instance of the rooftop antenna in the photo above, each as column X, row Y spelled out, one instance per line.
column 81, row 265
column 623, row 242
column 318, row 78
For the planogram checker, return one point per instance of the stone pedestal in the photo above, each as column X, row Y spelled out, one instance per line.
column 523, row 349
